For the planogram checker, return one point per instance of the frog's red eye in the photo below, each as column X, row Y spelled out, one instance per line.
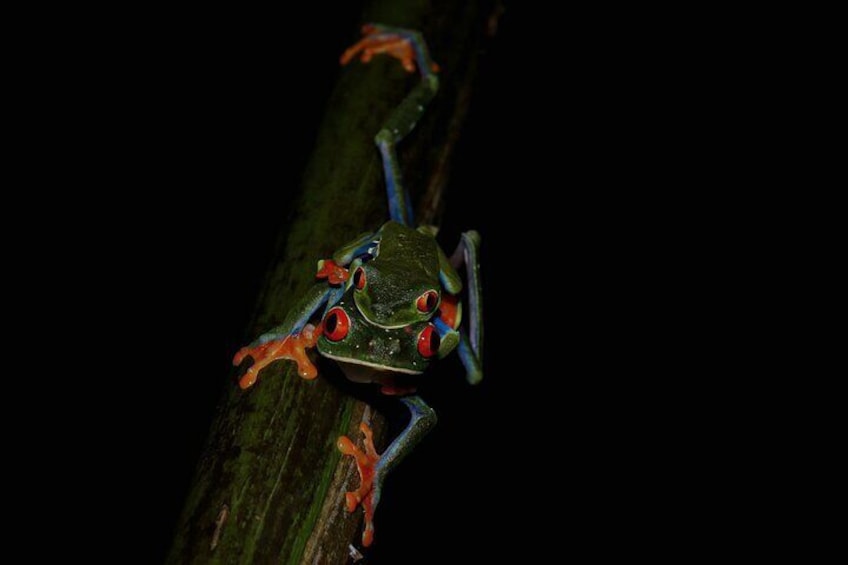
column 359, row 278
column 427, row 301
column 428, row 342
column 336, row 324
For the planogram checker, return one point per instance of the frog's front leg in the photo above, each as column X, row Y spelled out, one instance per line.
column 289, row 340
column 373, row 467
column 336, row 270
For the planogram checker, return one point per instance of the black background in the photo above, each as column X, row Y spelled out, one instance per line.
column 200, row 131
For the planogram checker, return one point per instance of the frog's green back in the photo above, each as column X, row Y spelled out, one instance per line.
column 407, row 250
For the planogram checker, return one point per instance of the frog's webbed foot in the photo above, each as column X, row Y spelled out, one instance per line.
column 373, row 467
column 291, row 347
column 366, row 461
column 332, row 271
column 395, row 42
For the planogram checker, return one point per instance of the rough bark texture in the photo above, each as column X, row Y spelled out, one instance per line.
column 270, row 485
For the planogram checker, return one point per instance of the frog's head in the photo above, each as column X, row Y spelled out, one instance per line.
column 349, row 338
column 394, row 298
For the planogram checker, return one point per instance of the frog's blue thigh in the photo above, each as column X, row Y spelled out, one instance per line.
column 421, row 421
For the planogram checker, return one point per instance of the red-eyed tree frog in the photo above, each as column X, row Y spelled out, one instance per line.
column 390, row 298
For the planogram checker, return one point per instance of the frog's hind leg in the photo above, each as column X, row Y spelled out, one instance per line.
column 471, row 342
column 373, row 467
column 409, row 47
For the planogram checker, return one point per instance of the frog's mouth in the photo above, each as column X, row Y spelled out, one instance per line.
column 360, row 371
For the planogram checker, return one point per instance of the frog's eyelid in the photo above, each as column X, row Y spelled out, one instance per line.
column 428, row 342
column 359, row 278
column 428, row 301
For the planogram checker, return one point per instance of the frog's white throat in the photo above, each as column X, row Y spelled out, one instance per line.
column 365, row 372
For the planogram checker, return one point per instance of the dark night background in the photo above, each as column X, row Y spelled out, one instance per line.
column 204, row 138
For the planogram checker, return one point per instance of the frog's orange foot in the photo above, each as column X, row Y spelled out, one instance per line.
column 366, row 461
column 291, row 347
column 332, row 271
column 377, row 41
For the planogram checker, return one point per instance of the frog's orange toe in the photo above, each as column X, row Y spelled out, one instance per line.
column 368, row 535
column 351, row 501
column 247, row 379
column 239, row 357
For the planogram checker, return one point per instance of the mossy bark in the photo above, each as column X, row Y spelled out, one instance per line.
column 270, row 485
